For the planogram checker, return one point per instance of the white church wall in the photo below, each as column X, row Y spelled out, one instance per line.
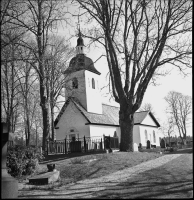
column 150, row 135
column 100, row 130
column 72, row 119
column 93, row 96
column 149, row 121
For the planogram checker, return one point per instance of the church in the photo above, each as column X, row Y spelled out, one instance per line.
column 84, row 114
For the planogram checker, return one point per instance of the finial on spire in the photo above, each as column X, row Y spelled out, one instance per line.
column 80, row 41
column 79, row 32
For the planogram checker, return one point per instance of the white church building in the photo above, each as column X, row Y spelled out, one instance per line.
column 84, row 114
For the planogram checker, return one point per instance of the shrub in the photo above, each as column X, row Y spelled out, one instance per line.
column 22, row 160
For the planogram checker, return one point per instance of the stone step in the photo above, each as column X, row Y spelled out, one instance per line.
column 45, row 178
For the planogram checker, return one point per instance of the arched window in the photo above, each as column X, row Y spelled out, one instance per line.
column 75, row 83
column 154, row 136
column 146, row 136
column 93, row 83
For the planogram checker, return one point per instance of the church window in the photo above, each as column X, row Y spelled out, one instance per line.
column 154, row 136
column 75, row 83
column 93, row 83
column 146, row 135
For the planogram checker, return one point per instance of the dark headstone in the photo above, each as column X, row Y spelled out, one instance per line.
column 50, row 167
column 140, row 146
column 153, row 146
column 148, row 144
column 162, row 144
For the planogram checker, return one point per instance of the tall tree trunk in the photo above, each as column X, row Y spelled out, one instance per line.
column 43, row 96
column 126, row 122
column 36, row 137
column 28, row 130
column 45, row 115
column 52, row 123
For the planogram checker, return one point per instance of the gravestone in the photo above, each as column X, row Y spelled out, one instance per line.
column 162, row 144
column 140, row 145
column 50, row 167
column 148, row 144
column 9, row 185
column 135, row 147
column 45, row 178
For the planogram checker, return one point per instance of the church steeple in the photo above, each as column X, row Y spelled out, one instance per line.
column 80, row 44
column 83, row 80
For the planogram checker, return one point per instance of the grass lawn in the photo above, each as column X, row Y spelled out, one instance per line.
column 173, row 180
column 96, row 165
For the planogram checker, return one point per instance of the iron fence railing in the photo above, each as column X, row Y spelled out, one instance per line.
column 84, row 144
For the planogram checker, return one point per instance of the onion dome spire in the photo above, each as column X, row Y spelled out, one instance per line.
column 80, row 42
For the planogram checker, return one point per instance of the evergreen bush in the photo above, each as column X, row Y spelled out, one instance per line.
column 22, row 160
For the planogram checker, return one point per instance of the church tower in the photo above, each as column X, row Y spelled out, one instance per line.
column 82, row 80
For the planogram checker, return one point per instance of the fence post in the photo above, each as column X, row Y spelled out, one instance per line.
column 101, row 143
column 65, row 146
column 84, row 143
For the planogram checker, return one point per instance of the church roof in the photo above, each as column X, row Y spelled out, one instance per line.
column 81, row 62
column 110, row 115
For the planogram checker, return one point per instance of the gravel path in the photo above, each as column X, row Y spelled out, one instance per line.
column 88, row 188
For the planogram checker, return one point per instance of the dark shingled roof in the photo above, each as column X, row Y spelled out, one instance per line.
column 110, row 115
column 81, row 62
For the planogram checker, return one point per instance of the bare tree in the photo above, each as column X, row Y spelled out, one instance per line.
column 7, row 28
column 57, row 55
column 38, row 18
column 27, row 77
column 168, row 128
column 180, row 107
column 139, row 38
column 10, row 99
column 147, row 107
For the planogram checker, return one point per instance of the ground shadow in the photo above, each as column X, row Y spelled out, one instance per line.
column 58, row 157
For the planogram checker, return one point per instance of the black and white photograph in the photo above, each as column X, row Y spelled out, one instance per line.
column 96, row 99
